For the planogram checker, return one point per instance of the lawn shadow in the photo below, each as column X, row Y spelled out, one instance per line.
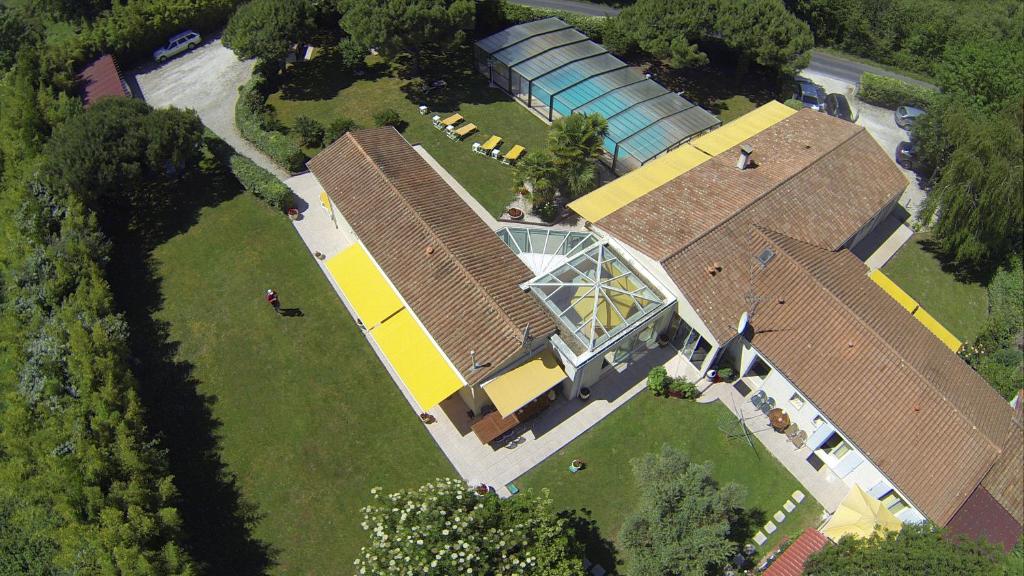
column 463, row 83
column 217, row 521
column 599, row 549
column 745, row 523
column 965, row 274
column 323, row 77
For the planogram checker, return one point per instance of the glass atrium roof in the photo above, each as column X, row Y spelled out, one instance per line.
column 596, row 295
column 542, row 249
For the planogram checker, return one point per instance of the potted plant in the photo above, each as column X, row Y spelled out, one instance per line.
column 293, row 213
column 663, row 339
column 682, row 388
column 584, row 393
column 726, row 373
column 515, row 213
column 658, row 380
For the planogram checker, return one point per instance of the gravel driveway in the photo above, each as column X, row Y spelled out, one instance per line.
column 880, row 123
column 205, row 80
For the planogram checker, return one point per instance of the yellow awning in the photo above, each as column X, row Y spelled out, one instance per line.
column 859, row 515
column 742, row 128
column 629, row 187
column 325, row 201
column 364, row 285
column 894, row 291
column 420, row 365
column 515, row 388
column 936, row 328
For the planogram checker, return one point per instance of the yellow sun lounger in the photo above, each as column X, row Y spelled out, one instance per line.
column 513, row 154
column 461, row 132
column 492, row 143
column 452, row 120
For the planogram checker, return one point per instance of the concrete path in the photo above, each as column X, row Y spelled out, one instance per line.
column 205, row 80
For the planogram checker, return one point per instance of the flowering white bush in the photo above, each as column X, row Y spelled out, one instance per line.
column 444, row 528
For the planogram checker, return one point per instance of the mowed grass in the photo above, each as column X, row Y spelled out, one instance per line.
column 310, row 419
column 960, row 305
column 317, row 90
column 606, row 488
column 733, row 107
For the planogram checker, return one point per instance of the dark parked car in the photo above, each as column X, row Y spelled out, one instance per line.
column 907, row 115
column 905, row 153
column 809, row 94
column 837, row 105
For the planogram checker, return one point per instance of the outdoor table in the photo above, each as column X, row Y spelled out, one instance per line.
column 778, row 419
column 491, row 426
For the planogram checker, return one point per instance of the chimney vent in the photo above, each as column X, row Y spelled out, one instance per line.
column 744, row 161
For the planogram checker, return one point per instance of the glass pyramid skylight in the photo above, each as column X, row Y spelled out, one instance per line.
column 596, row 295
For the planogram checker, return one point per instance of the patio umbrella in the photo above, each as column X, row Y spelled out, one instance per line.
column 859, row 515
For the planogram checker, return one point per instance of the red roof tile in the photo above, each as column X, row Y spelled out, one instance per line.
column 983, row 517
column 791, row 562
column 102, row 78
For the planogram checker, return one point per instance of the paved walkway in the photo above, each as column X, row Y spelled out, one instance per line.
column 827, row 488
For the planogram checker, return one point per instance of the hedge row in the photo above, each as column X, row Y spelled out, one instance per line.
column 891, row 93
column 260, row 182
column 250, row 110
column 593, row 26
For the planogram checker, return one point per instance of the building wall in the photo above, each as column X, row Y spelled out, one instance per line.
column 854, row 468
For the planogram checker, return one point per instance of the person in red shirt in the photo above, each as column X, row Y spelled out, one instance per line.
column 272, row 298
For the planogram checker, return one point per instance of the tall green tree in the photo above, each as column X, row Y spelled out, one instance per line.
column 916, row 549
column 266, row 29
column 575, row 142
column 976, row 204
column 409, row 26
column 119, row 147
column 667, row 29
column 445, row 528
column 765, row 32
column 682, row 522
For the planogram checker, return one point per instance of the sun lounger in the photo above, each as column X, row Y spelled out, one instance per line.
column 461, row 132
column 437, row 122
column 492, row 143
column 452, row 120
column 513, row 154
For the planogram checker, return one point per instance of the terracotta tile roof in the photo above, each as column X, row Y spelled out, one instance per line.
column 102, row 78
column 466, row 290
column 983, row 517
column 1003, row 482
column 816, row 178
column 915, row 409
column 791, row 562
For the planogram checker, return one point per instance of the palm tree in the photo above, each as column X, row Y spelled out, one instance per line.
column 575, row 142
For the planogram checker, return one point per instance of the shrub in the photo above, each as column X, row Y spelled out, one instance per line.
column 726, row 373
column 250, row 111
column 683, row 387
column 351, row 54
column 337, row 128
column 263, row 184
column 387, row 117
column 794, row 104
column 658, row 380
column 310, row 132
column 511, row 14
column 546, row 210
column 891, row 93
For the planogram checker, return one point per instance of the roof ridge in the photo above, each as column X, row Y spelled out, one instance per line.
column 765, row 194
column 510, row 324
column 768, row 233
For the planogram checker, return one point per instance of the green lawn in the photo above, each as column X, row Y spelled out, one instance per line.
column 733, row 107
column 309, row 419
column 316, row 90
column 605, row 488
column 960, row 305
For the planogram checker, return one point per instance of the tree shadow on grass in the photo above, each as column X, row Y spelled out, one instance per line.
column 965, row 274
column 599, row 550
column 746, row 523
column 324, row 76
column 217, row 521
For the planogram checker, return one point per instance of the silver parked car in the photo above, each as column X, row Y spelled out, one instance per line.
column 178, row 43
column 906, row 115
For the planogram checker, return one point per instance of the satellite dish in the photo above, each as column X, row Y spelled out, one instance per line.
column 744, row 320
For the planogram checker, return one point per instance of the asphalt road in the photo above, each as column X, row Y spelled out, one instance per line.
column 850, row 71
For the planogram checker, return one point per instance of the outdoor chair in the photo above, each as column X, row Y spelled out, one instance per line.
column 476, row 148
column 768, row 405
column 436, row 120
column 495, row 154
column 758, row 399
column 799, row 439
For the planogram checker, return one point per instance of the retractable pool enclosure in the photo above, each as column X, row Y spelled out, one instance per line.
column 556, row 70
